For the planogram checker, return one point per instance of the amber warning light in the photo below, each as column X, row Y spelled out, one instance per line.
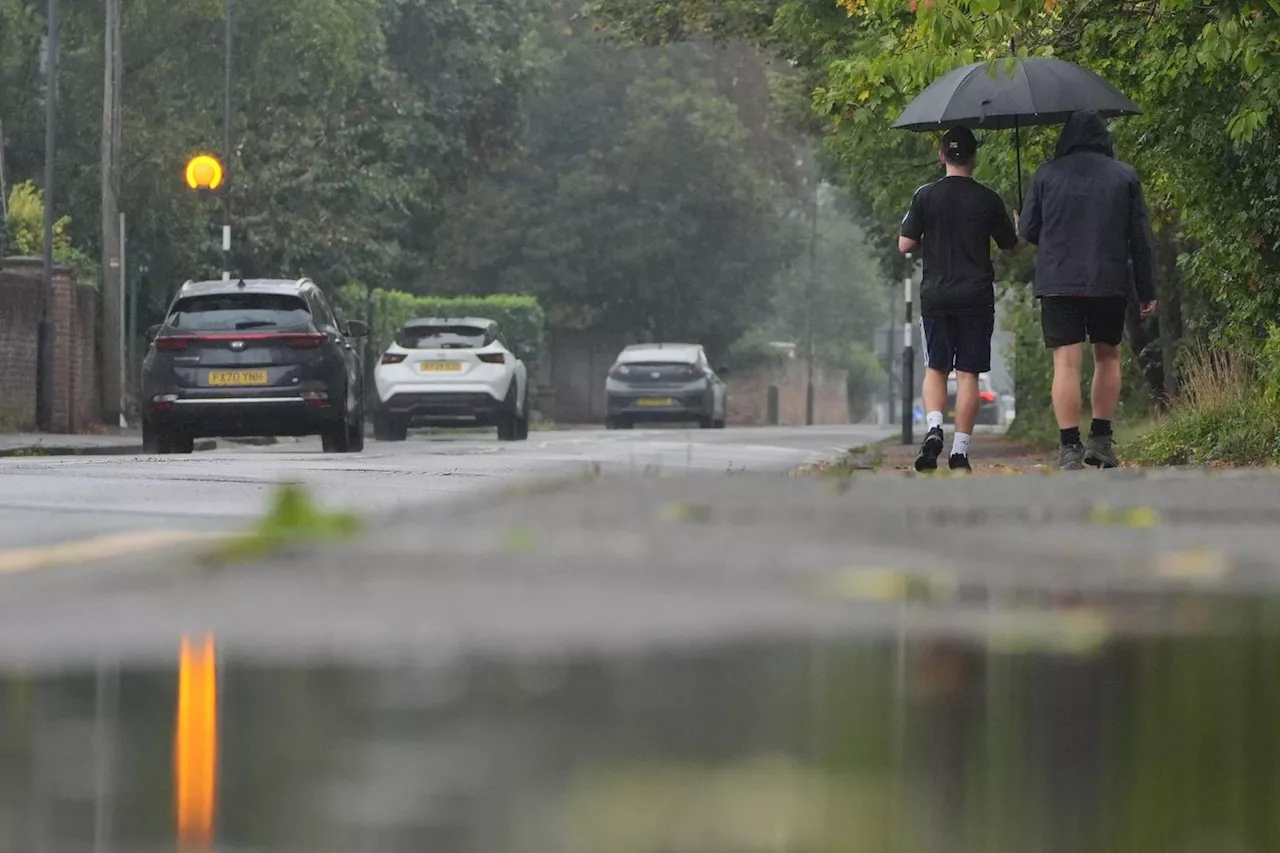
column 204, row 173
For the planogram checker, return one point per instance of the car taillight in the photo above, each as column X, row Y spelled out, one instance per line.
column 987, row 396
column 170, row 344
column 492, row 358
column 393, row 357
column 308, row 341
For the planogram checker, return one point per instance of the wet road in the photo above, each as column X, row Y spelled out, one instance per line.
column 51, row 500
column 900, row 745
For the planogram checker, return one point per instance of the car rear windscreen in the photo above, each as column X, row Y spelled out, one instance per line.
column 654, row 371
column 234, row 312
column 441, row 337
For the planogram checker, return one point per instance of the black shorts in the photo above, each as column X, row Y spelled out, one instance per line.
column 958, row 342
column 1068, row 320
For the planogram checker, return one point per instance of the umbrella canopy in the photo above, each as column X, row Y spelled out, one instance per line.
column 1042, row 90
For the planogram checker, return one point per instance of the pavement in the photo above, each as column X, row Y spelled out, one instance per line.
column 618, row 542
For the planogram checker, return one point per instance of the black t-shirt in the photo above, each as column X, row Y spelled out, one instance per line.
column 955, row 220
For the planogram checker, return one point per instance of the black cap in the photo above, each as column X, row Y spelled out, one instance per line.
column 959, row 145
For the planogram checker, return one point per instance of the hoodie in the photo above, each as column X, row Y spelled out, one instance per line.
column 1086, row 213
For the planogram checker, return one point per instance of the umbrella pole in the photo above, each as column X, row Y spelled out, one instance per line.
column 1017, row 146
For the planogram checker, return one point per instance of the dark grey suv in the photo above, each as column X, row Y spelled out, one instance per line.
column 252, row 358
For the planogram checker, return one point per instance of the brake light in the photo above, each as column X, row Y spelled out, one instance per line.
column 305, row 341
column 163, row 402
column 170, row 344
column 316, row 399
column 492, row 358
column 987, row 396
column 393, row 357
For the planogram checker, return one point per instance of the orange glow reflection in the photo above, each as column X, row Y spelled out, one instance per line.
column 195, row 745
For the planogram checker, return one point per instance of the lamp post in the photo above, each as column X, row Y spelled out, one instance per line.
column 908, row 362
column 44, row 345
column 226, row 144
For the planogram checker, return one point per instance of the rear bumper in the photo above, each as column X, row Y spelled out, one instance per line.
column 259, row 415
column 444, row 407
column 680, row 408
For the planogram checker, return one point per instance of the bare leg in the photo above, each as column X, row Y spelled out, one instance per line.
column 934, row 390
column 1106, row 381
column 966, row 401
column 1066, row 385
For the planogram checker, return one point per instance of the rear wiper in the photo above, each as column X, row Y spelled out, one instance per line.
column 255, row 324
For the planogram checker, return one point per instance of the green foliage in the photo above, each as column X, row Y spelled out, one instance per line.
column 294, row 518
column 1228, row 411
column 638, row 208
column 521, row 318
column 24, row 233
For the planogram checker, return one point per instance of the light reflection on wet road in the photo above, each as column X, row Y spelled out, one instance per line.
column 892, row 746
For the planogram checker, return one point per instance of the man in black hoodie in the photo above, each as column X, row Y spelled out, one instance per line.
column 1086, row 213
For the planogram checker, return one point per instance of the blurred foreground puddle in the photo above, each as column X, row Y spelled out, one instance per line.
column 899, row 745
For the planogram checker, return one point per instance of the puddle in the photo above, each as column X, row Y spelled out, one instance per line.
column 1146, row 745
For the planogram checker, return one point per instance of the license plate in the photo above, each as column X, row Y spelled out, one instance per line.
column 237, row 377
column 951, row 414
column 440, row 366
column 655, row 401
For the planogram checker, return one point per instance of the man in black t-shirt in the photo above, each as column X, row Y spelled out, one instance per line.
column 955, row 219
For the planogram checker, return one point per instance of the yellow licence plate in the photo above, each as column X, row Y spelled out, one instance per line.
column 237, row 377
column 951, row 414
column 655, row 401
column 440, row 366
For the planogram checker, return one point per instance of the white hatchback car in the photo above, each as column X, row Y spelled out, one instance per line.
column 451, row 372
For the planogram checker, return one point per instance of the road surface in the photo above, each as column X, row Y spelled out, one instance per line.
column 50, row 500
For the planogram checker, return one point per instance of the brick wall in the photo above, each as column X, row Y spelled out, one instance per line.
column 74, row 311
column 749, row 395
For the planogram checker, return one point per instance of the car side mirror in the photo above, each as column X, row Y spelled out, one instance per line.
column 152, row 331
column 357, row 329
column 723, row 371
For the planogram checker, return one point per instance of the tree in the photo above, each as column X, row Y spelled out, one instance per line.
column 637, row 210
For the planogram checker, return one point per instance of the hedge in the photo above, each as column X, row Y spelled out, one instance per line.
column 521, row 318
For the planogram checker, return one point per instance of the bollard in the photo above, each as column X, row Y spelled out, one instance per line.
column 773, row 405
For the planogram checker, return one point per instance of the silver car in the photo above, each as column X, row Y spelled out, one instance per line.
column 664, row 383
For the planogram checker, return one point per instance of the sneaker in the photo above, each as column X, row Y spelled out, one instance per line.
column 1071, row 458
column 960, row 462
column 1100, row 450
column 930, row 450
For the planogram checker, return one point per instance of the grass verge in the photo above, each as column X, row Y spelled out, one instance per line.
column 1224, row 416
column 293, row 519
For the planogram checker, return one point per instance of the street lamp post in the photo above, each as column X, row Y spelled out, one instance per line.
column 908, row 362
column 44, row 345
column 226, row 146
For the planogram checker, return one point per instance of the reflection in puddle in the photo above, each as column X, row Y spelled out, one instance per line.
column 1160, row 745
column 195, row 745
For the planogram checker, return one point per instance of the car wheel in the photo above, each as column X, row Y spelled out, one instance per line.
column 508, row 418
column 336, row 437
column 355, row 433
column 522, row 421
column 388, row 427
column 706, row 422
column 151, row 437
column 178, row 442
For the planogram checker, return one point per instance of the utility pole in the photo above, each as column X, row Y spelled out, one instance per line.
column 813, row 290
column 226, row 147
column 44, row 346
column 112, row 236
column 908, row 361
column 4, row 186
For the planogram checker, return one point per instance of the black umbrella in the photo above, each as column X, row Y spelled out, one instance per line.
column 1041, row 90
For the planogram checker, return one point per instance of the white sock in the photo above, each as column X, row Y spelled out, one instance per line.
column 933, row 420
column 960, row 444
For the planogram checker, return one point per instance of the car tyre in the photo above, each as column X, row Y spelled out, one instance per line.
column 388, row 427
column 522, row 420
column 152, row 438
column 618, row 423
column 509, row 419
column 178, row 442
column 355, row 433
column 336, row 437
column 706, row 422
